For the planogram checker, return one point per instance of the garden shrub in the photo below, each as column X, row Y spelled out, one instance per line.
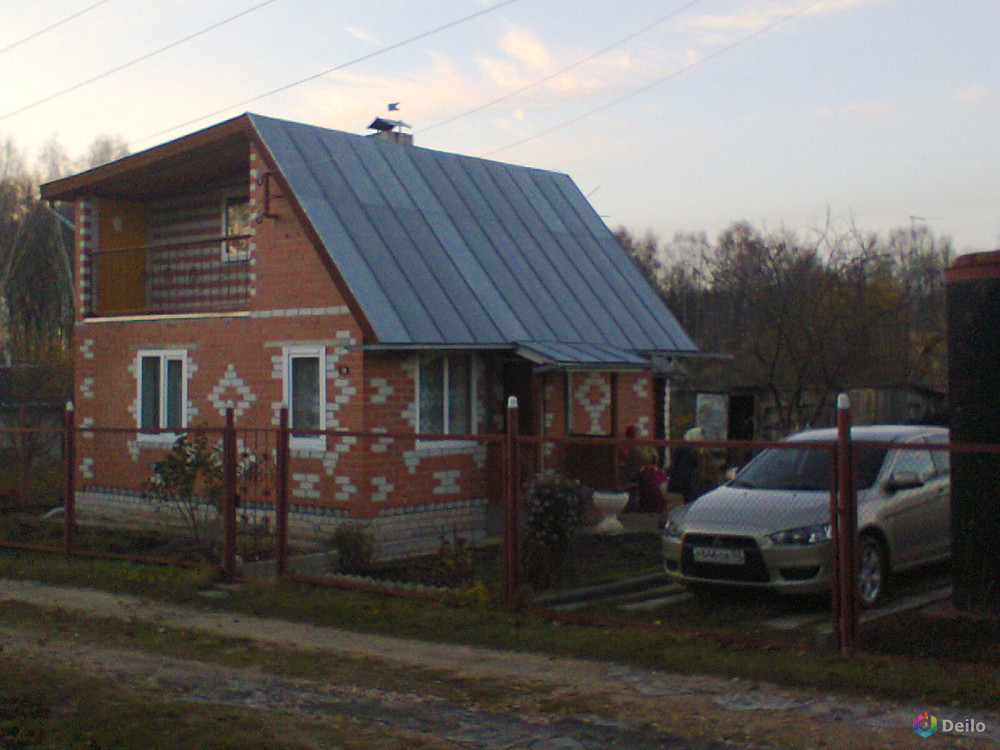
column 453, row 564
column 191, row 477
column 555, row 507
column 355, row 546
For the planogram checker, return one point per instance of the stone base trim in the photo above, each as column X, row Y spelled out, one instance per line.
column 398, row 532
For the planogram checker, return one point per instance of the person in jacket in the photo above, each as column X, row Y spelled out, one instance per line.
column 684, row 476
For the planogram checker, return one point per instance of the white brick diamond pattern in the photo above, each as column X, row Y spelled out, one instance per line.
column 382, row 487
column 231, row 388
column 641, row 388
column 447, row 482
column 594, row 395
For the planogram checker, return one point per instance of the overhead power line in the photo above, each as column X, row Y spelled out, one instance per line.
column 49, row 28
column 139, row 59
column 565, row 70
column 670, row 76
column 355, row 61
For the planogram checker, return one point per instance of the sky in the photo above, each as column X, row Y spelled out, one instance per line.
column 670, row 115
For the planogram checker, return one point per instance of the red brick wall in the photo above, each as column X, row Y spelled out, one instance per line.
column 635, row 403
column 238, row 358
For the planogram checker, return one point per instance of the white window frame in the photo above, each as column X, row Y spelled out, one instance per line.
column 291, row 353
column 474, row 369
column 229, row 255
column 165, row 356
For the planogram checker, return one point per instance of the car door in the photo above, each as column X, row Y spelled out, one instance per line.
column 940, row 543
column 911, row 495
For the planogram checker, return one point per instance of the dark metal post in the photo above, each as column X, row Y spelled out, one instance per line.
column 847, row 527
column 511, row 543
column 973, row 296
column 229, row 497
column 69, row 467
column 281, row 497
column 23, row 454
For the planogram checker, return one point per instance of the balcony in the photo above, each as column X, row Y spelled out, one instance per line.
column 210, row 275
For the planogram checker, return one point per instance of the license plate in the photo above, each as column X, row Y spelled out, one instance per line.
column 718, row 555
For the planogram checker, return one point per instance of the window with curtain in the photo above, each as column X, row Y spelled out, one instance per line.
column 446, row 397
column 235, row 222
column 305, row 393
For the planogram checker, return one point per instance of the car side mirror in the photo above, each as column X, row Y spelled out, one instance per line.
column 903, row 480
column 731, row 473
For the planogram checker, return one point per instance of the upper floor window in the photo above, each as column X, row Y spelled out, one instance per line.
column 446, row 401
column 236, row 219
column 163, row 391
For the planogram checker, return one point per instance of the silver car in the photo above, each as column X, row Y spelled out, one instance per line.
column 769, row 527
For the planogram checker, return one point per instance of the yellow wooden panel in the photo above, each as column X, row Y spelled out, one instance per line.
column 120, row 276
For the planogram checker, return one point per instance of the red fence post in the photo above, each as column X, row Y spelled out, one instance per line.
column 281, row 495
column 229, row 498
column 69, row 468
column 847, row 528
column 511, row 544
column 835, row 567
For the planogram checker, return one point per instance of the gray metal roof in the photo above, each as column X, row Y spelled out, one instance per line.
column 439, row 248
column 573, row 355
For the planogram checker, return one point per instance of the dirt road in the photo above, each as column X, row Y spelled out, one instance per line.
column 569, row 703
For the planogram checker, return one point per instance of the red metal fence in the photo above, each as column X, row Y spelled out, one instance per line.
column 250, row 491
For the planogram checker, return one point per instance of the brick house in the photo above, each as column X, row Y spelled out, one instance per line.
column 373, row 287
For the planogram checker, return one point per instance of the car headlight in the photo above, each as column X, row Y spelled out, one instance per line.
column 672, row 529
column 801, row 535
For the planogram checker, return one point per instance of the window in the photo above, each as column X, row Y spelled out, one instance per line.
column 305, row 394
column 942, row 458
column 162, row 391
column 914, row 462
column 446, row 401
column 806, row 469
column 235, row 222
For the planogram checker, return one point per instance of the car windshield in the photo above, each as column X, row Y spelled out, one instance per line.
column 805, row 469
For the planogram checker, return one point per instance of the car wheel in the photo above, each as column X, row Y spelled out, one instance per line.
column 872, row 572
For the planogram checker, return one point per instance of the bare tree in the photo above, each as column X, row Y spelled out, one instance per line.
column 104, row 149
column 36, row 270
column 804, row 319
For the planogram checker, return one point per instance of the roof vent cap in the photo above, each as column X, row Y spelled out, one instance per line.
column 391, row 130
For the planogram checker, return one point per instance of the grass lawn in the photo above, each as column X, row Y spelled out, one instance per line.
column 915, row 656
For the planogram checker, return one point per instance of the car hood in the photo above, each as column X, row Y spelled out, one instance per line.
column 754, row 511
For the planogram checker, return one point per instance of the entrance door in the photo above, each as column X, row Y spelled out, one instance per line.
column 519, row 380
column 120, row 266
column 741, row 407
column 515, row 378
